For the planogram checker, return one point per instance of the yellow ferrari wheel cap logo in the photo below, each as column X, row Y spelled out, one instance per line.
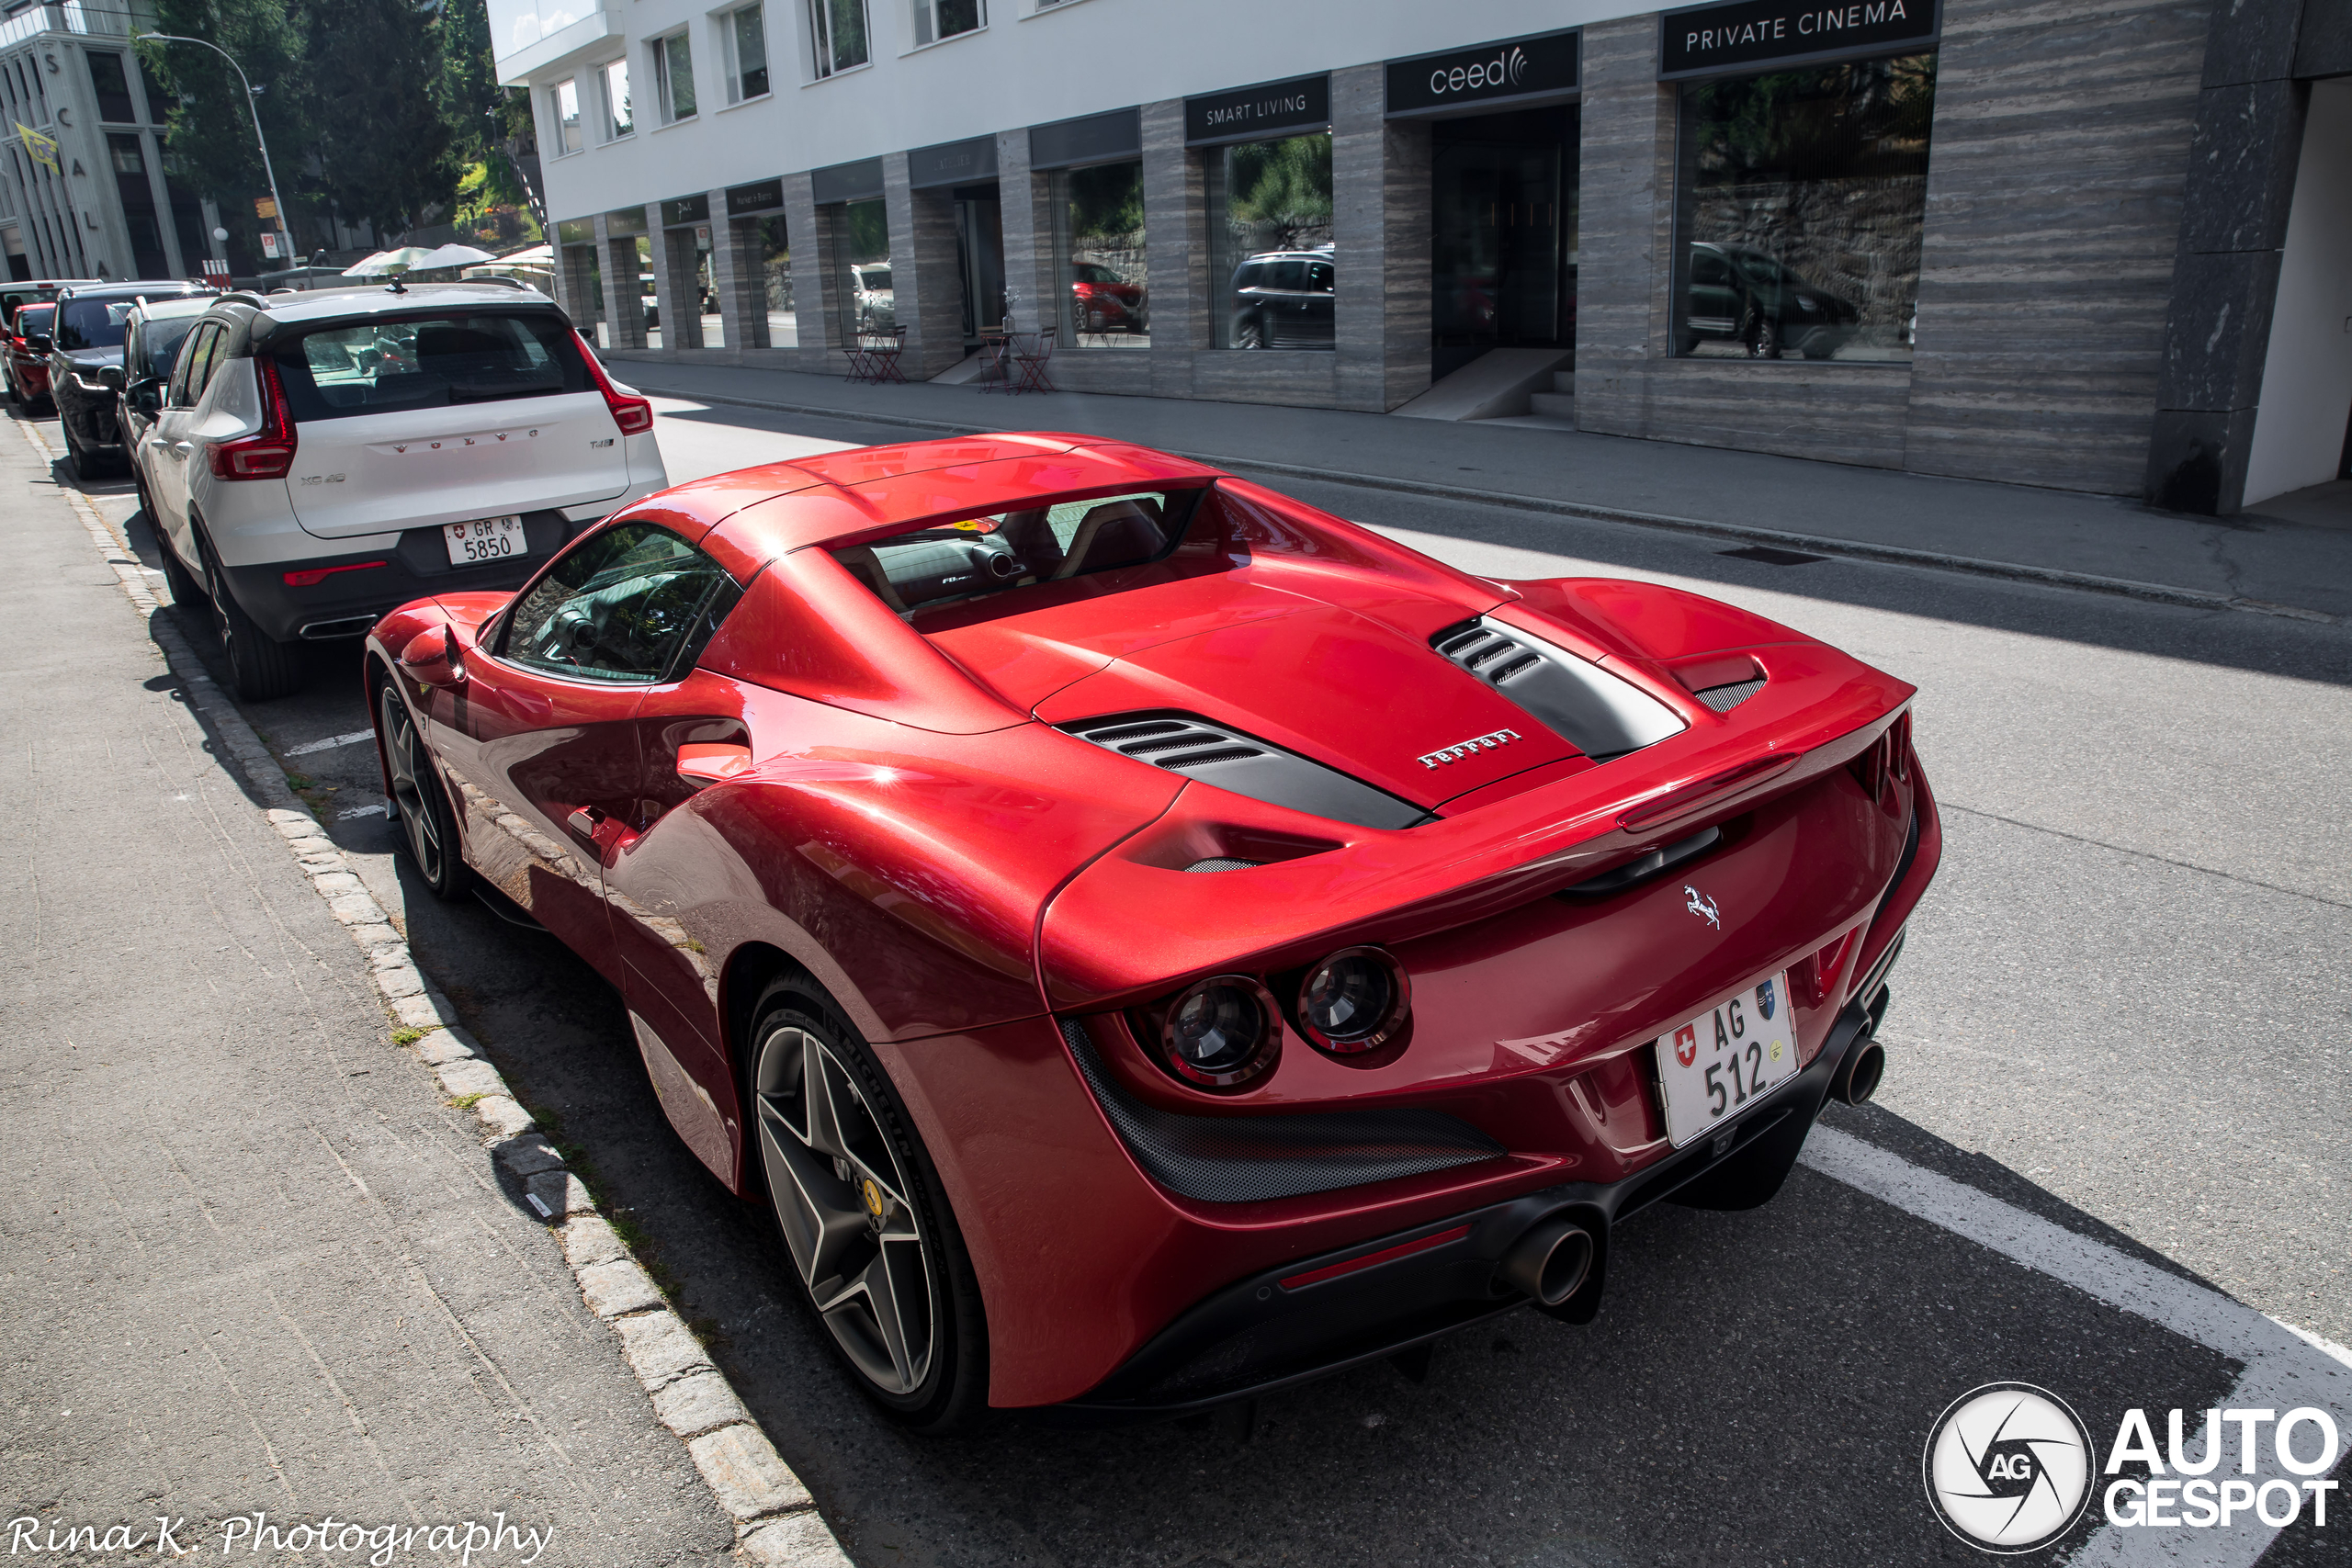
column 872, row 1192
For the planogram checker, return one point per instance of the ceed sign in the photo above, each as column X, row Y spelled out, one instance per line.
column 1700, row 39
column 1508, row 71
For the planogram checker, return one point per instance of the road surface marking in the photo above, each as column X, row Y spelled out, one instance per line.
column 332, row 741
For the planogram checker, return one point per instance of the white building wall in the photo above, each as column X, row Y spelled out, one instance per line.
column 2299, row 427
column 1028, row 66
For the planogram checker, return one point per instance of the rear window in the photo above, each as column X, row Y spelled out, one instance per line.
column 31, row 318
column 380, row 367
column 944, row 562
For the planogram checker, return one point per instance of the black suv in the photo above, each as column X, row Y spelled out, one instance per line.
column 1739, row 295
column 1285, row 300
column 85, row 365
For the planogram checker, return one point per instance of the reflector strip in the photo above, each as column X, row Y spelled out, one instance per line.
column 312, row 576
column 1402, row 1250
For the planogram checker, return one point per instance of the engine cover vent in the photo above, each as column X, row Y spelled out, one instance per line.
column 1594, row 711
column 1723, row 699
column 1183, row 743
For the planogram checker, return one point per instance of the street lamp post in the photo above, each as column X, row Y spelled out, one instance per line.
column 285, row 235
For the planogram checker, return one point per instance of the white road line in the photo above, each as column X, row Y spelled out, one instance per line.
column 331, row 743
column 2285, row 1367
column 374, row 811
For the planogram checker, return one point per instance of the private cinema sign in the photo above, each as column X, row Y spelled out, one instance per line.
column 1705, row 40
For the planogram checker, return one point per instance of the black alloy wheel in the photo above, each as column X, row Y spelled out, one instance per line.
column 187, row 592
column 420, row 807
column 1763, row 336
column 872, row 1242
column 260, row 667
column 1250, row 334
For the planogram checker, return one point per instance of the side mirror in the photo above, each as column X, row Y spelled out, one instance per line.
column 145, row 395
column 38, row 343
column 432, row 656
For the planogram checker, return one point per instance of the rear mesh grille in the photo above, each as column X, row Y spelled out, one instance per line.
column 1248, row 1159
column 1223, row 863
column 1723, row 699
column 1195, row 748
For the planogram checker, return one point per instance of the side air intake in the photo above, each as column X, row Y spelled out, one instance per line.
column 1600, row 715
column 1230, row 760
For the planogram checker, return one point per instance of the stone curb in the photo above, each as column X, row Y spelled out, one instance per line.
column 776, row 1520
column 1848, row 549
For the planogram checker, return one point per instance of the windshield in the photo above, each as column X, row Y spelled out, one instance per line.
column 376, row 366
column 1760, row 268
column 92, row 323
column 972, row 556
column 159, row 344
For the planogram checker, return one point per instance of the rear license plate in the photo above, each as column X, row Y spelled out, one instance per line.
column 485, row 539
column 1727, row 1059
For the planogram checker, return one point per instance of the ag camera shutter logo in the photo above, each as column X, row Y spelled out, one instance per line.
column 2008, row 1467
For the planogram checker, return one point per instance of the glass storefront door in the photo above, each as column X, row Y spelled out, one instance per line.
column 865, row 301
column 979, row 258
column 1504, row 249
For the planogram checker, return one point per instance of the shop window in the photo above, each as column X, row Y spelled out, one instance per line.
column 745, row 33
column 673, row 77
column 1800, row 196
column 620, row 117
column 775, row 277
column 567, row 115
column 866, row 302
column 937, row 19
column 1271, row 262
column 837, row 28
column 1098, row 248
column 127, row 156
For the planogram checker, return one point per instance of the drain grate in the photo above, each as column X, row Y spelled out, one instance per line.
column 1772, row 557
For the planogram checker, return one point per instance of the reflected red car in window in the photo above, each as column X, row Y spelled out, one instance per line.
column 1101, row 301
column 1146, row 941
column 26, row 356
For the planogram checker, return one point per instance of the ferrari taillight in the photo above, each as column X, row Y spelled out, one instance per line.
column 1220, row 1032
column 634, row 415
column 268, row 453
column 1888, row 757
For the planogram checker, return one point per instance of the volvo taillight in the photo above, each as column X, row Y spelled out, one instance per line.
column 268, row 453
column 634, row 415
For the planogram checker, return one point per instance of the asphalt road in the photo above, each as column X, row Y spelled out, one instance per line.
column 2125, row 1008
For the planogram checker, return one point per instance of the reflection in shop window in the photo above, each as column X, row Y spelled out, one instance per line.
column 621, row 117
column 837, row 27
column 937, row 19
column 1098, row 241
column 745, row 34
column 866, row 302
column 1272, row 263
column 1799, row 210
column 567, row 114
column 673, row 77
column 775, row 277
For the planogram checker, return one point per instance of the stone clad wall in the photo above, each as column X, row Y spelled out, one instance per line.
column 2054, row 186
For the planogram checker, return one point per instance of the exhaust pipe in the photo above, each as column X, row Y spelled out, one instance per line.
column 1550, row 1261
column 1858, row 1074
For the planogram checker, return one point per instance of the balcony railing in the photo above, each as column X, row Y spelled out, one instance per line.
column 98, row 19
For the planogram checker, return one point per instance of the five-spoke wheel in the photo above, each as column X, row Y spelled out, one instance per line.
column 420, row 807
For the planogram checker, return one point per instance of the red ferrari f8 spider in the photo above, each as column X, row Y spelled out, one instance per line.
column 1148, row 940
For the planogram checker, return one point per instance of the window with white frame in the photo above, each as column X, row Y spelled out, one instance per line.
column 620, row 118
column 566, row 98
column 837, row 30
column 743, row 40
column 937, row 19
column 673, row 77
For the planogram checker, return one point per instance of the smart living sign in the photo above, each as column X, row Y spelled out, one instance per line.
column 1701, row 40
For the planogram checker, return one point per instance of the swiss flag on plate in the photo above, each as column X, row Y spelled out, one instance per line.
column 1686, row 1043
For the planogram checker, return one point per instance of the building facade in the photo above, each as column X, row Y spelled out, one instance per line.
column 83, row 191
column 2093, row 244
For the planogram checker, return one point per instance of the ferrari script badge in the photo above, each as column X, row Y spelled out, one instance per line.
column 1703, row 906
column 1485, row 742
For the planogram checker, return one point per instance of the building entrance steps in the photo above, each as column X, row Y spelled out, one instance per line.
column 1497, row 383
column 2255, row 560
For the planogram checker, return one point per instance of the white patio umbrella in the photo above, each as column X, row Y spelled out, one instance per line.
column 449, row 255
column 383, row 261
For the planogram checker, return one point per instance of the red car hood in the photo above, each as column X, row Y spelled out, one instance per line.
column 1353, row 693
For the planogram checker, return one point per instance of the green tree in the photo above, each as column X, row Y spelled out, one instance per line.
column 489, row 125
column 211, row 131
column 381, row 144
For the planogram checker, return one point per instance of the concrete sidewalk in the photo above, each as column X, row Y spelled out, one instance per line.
column 254, row 1261
column 2008, row 529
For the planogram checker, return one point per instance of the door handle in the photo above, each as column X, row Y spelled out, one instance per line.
column 585, row 821
column 182, row 446
column 600, row 831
